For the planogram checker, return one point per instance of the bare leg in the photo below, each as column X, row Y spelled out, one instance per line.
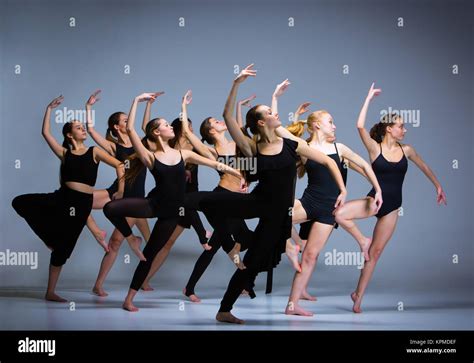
column 108, row 261
column 128, row 303
column 53, row 278
column 299, row 215
column 317, row 239
column 101, row 197
column 383, row 231
column 143, row 227
column 98, row 233
column 356, row 209
column 161, row 257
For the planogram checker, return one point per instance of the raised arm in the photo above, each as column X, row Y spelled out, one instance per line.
column 56, row 147
column 193, row 158
column 279, row 90
column 411, row 153
column 370, row 144
column 368, row 172
column 147, row 113
column 321, row 158
column 283, row 131
column 245, row 144
column 200, row 147
column 244, row 102
column 145, row 155
column 97, row 137
column 101, row 155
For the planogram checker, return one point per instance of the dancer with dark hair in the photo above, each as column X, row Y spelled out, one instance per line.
column 271, row 200
column 191, row 216
column 58, row 218
column 390, row 163
column 165, row 201
column 117, row 143
column 213, row 131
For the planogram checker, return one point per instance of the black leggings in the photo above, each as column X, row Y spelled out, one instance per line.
column 268, row 241
column 241, row 234
column 57, row 218
column 191, row 218
column 117, row 210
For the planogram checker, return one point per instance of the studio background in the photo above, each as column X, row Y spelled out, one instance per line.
column 412, row 64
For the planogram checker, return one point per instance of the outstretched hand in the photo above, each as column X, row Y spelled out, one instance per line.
column 281, row 88
column 246, row 101
column 56, row 102
column 245, row 73
column 373, row 92
column 188, row 97
column 441, row 197
column 93, row 98
column 148, row 96
column 303, row 108
column 157, row 94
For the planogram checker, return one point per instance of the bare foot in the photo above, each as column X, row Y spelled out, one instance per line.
column 227, row 317
column 306, row 296
column 235, row 256
column 193, row 297
column 135, row 242
column 292, row 254
column 129, row 307
column 365, row 248
column 357, row 301
column 146, row 287
column 295, row 309
column 99, row 291
column 100, row 237
column 51, row 296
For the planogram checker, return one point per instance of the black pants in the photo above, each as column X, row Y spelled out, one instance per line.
column 268, row 241
column 57, row 218
column 117, row 210
column 240, row 232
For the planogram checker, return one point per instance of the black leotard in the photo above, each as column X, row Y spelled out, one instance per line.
column 321, row 193
column 390, row 176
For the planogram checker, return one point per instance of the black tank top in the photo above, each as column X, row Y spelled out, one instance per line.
column 79, row 168
column 321, row 184
column 277, row 175
column 168, row 194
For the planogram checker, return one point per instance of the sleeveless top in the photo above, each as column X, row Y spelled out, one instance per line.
column 167, row 197
column 79, row 168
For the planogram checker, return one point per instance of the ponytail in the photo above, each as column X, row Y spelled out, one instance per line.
column 378, row 131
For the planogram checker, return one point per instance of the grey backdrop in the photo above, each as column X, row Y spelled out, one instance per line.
column 412, row 64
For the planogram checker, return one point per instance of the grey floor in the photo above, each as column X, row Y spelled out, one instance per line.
column 166, row 309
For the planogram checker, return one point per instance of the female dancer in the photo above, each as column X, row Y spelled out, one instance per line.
column 58, row 218
column 117, row 143
column 191, row 216
column 317, row 202
column 271, row 200
column 389, row 161
column 165, row 201
column 213, row 132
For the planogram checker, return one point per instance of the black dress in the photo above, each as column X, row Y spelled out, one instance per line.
column 271, row 201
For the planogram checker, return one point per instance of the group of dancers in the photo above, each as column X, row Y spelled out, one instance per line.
column 172, row 153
